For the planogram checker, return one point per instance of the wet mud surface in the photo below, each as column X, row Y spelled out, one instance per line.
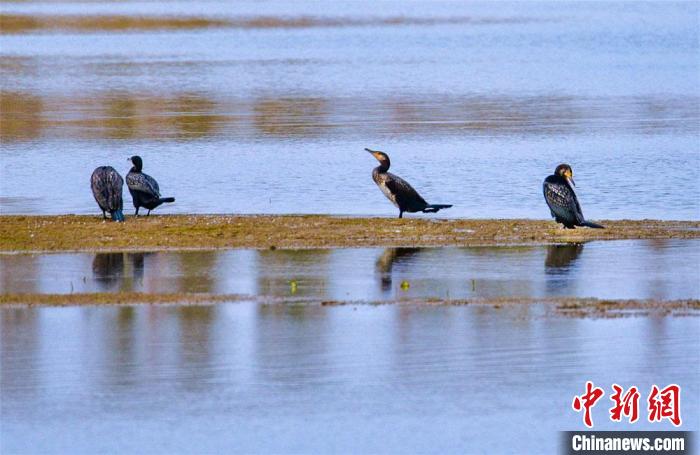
column 564, row 306
column 91, row 233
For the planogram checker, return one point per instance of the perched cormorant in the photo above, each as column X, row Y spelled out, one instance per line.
column 143, row 188
column 106, row 184
column 561, row 198
column 399, row 192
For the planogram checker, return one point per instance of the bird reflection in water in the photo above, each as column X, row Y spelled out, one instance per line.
column 561, row 257
column 386, row 261
column 108, row 270
column 137, row 260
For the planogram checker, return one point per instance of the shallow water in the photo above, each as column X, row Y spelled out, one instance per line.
column 648, row 269
column 287, row 378
column 475, row 102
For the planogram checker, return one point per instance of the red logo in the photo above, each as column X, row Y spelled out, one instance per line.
column 624, row 405
column 665, row 404
column 587, row 401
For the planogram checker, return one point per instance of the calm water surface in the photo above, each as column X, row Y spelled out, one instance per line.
column 265, row 108
column 476, row 103
column 289, row 378
column 656, row 269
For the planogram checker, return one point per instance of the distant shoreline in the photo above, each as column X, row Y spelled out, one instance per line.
column 61, row 233
column 82, row 23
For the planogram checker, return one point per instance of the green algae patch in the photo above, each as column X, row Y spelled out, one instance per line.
column 168, row 232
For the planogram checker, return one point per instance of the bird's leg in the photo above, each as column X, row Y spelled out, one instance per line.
column 149, row 213
column 104, row 217
column 137, row 212
column 400, row 213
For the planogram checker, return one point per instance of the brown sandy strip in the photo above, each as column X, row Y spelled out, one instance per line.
column 22, row 23
column 566, row 306
column 115, row 298
column 210, row 232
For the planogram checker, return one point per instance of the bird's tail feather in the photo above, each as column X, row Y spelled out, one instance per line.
column 166, row 199
column 432, row 208
column 593, row 225
column 117, row 215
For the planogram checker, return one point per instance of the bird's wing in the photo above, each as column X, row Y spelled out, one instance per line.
column 138, row 181
column 106, row 184
column 405, row 195
column 562, row 201
column 98, row 185
column 153, row 183
column 115, row 190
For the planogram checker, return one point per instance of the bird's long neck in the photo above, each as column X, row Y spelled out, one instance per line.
column 567, row 182
column 560, row 179
column 383, row 166
column 135, row 169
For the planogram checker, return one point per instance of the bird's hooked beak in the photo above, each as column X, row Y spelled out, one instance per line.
column 375, row 153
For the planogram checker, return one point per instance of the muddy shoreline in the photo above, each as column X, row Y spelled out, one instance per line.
column 19, row 233
column 563, row 306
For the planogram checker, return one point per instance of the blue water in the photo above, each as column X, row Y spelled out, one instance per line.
column 288, row 379
column 629, row 269
column 474, row 113
column 475, row 108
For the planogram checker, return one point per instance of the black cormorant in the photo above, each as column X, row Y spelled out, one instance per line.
column 106, row 184
column 561, row 198
column 397, row 190
column 144, row 188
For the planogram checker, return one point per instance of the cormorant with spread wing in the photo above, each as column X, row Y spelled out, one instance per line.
column 144, row 188
column 561, row 198
column 397, row 190
column 106, row 185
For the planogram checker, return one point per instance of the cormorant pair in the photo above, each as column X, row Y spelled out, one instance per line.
column 106, row 184
column 558, row 192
